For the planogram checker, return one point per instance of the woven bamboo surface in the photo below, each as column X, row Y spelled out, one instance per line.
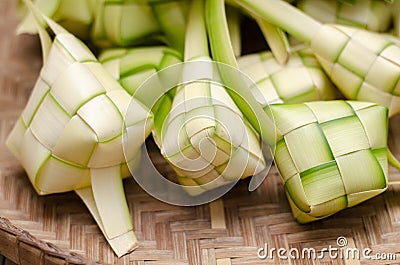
column 58, row 229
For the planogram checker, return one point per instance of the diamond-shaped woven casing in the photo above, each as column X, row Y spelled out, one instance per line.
column 207, row 141
column 205, row 152
column 73, row 121
column 364, row 65
column 331, row 155
column 301, row 79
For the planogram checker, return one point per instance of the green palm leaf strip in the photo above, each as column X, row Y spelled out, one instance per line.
column 234, row 18
column 276, row 39
column 172, row 18
column 71, row 124
column 364, row 65
column 222, row 51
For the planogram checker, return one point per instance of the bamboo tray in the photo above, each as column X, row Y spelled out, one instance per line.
column 58, row 229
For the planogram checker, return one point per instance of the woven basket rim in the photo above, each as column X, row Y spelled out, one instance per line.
column 43, row 249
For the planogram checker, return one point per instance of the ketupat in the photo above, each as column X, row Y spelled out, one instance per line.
column 234, row 18
column 301, row 79
column 223, row 53
column 204, row 137
column 364, row 65
column 341, row 159
column 70, row 125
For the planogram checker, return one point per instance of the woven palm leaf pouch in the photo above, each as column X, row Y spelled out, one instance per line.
column 331, row 155
column 69, row 137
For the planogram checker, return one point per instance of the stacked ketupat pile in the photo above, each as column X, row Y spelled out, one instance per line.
column 331, row 154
